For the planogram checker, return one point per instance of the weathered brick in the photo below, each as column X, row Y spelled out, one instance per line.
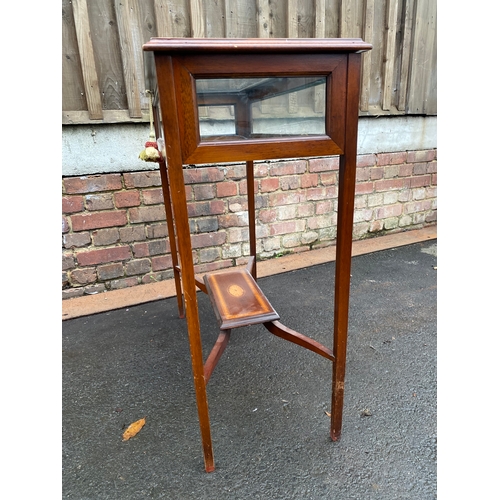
column 423, row 155
column 103, row 237
column 104, row 255
column 420, row 181
column 364, row 188
column 228, row 188
column 277, row 199
column 389, row 211
column 232, row 251
column 391, row 171
column 228, row 220
column 323, row 207
column 387, row 184
column 162, row 262
column 204, row 192
column 314, row 194
column 92, row 183
column 305, row 210
column 237, row 234
column 126, row 199
column 236, row 172
column 152, row 196
column 419, row 168
column 243, row 187
column 147, row 214
column 323, row 164
column 142, row 179
column 268, row 215
column 158, row 247
column 83, row 276
column 320, row 222
column 270, row 184
column 288, row 167
column 308, row 237
column 366, row 160
column 157, row 230
column 76, row 240
column 286, row 212
column 132, row 233
column 362, row 174
column 289, row 182
column 98, row 220
column 65, row 225
column 391, row 158
column 418, row 206
column 202, row 175
column 140, row 250
column 309, row 180
column 138, row 266
column 207, row 224
column 93, row 289
column 68, row 261
column 405, row 170
column 102, row 201
column 209, row 255
column 124, row 283
column 110, row 271
column 261, row 169
column 291, row 240
column 208, row 239
column 328, row 178
column 72, row 204
column 365, row 214
column 293, row 226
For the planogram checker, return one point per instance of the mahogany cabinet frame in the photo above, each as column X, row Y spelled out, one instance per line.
column 172, row 66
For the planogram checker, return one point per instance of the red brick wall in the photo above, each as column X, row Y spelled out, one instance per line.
column 115, row 234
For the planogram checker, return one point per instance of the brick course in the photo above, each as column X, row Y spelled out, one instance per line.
column 115, row 234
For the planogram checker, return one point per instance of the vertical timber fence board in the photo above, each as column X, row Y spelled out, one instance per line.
column 127, row 15
column 90, row 80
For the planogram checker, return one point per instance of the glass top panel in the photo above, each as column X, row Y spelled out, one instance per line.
column 250, row 108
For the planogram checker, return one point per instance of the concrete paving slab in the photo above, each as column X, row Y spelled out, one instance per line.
column 268, row 399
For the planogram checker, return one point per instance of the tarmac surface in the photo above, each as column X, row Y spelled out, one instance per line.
column 268, row 399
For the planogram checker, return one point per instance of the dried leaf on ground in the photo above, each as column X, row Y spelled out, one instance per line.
column 134, row 428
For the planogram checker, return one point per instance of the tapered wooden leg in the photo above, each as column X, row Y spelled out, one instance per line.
column 347, row 184
column 168, row 103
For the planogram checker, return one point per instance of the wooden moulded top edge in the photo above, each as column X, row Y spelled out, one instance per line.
column 262, row 45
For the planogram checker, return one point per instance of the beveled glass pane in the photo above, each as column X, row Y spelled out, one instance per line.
column 249, row 108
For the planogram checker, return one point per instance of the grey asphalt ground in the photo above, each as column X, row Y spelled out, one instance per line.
column 268, row 398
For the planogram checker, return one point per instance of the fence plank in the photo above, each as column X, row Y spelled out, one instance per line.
column 73, row 88
column 86, row 50
column 127, row 14
column 263, row 19
column 422, row 93
column 367, row 56
column 406, row 48
column 197, row 18
column 214, row 18
column 390, row 51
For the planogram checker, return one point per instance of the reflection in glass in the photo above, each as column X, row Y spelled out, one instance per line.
column 249, row 108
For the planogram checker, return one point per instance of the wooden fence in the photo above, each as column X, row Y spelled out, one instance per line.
column 102, row 59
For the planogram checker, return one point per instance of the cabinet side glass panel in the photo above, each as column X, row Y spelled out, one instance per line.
column 252, row 108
